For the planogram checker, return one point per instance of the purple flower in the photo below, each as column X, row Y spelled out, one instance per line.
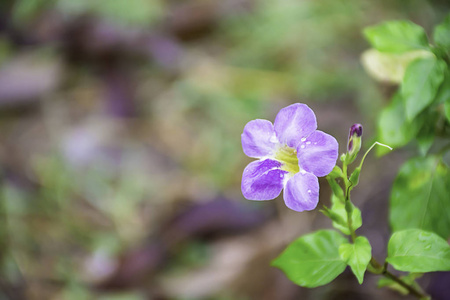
column 291, row 155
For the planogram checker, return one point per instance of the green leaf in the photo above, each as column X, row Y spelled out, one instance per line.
column 420, row 84
column 420, row 196
column 395, row 130
column 443, row 95
column 426, row 134
column 447, row 109
column 357, row 256
column 409, row 279
column 425, row 141
column 336, row 188
column 441, row 34
column 336, row 173
column 393, row 127
column 312, row 260
column 396, row 36
column 338, row 208
column 354, row 177
column 333, row 216
column 415, row 250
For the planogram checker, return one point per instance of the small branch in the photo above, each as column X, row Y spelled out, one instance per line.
column 348, row 203
column 382, row 270
column 377, row 268
column 410, row 288
column 370, row 148
column 349, row 209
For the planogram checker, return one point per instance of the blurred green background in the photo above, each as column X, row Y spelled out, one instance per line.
column 120, row 153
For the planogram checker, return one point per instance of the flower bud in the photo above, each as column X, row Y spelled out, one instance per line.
column 354, row 142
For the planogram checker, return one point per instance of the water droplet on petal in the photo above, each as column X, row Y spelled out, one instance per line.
column 315, row 143
column 307, row 143
column 302, row 146
column 303, row 139
column 309, row 191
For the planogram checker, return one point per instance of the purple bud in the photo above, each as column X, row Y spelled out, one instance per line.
column 355, row 132
column 356, row 129
column 354, row 142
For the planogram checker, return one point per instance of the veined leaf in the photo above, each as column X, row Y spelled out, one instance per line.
column 421, row 84
column 393, row 127
column 415, row 250
column 441, row 34
column 397, row 36
column 338, row 208
column 443, row 95
column 313, row 260
column 357, row 256
column 420, row 196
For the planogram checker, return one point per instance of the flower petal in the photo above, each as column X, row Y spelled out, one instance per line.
column 258, row 138
column 293, row 123
column 302, row 192
column 262, row 180
column 317, row 154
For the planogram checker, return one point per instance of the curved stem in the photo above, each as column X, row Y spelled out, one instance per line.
column 350, row 225
column 345, row 177
column 370, row 148
column 348, row 204
column 410, row 288
column 382, row 270
column 378, row 269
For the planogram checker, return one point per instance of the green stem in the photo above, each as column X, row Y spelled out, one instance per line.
column 350, row 220
column 382, row 270
column 410, row 288
column 368, row 150
column 378, row 269
column 348, row 203
column 345, row 177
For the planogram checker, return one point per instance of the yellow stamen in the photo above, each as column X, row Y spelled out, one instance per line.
column 288, row 156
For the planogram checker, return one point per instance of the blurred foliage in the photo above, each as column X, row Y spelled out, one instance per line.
column 420, row 192
column 418, row 112
column 116, row 115
column 127, row 13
